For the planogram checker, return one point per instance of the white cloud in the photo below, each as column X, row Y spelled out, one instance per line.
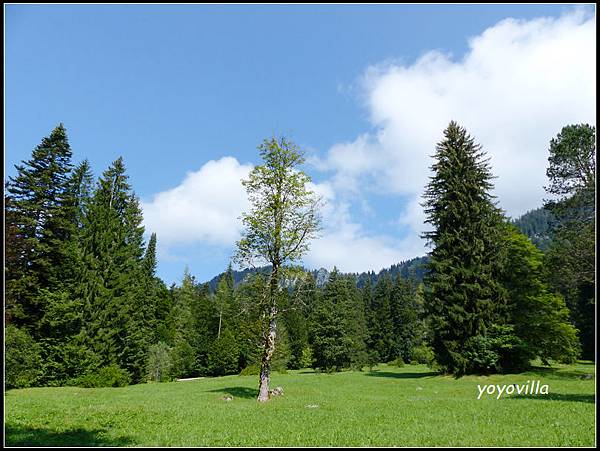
column 516, row 87
column 205, row 207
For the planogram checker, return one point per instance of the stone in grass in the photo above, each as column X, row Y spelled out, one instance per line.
column 312, row 406
column 587, row 376
column 227, row 398
column 277, row 391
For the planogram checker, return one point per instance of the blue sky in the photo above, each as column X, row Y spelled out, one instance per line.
column 185, row 93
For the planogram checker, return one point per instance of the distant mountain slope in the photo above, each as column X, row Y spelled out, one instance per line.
column 537, row 225
column 410, row 268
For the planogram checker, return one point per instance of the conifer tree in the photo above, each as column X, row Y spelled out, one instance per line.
column 40, row 225
column 381, row 327
column 112, row 239
column 337, row 326
column 407, row 328
column 463, row 297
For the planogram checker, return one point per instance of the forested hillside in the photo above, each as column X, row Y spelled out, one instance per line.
column 537, row 225
column 413, row 268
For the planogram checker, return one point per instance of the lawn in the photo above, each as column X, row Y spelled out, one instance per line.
column 390, row 406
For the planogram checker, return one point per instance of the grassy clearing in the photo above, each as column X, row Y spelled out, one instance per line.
column 390, row 406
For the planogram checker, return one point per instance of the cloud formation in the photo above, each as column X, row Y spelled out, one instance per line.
column 519, row 83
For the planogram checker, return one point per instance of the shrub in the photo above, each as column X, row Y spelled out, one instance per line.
column 108, row 376
column 250, row 370
column 422, row 354
column 159, row 362
column 397, row 362
column 372, row 359
column 22, row 358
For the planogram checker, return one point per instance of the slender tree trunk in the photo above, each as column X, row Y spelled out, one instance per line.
column 269, row 346
column 219, row 331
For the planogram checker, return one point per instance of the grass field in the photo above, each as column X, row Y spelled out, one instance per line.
column 408, row 406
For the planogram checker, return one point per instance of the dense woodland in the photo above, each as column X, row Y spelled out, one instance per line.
column 84, row 306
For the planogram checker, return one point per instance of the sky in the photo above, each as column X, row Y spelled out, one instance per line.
column 186, row 93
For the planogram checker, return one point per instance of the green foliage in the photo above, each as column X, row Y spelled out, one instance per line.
column 22, row 358
column 540, row 318
column 41, row 222
column 159, row 362
column 397, row 362
column 251, row 370
column 184, row 359
column 338, row 328
column 422, row 354
column 281, row 355
column 283, row 219
column 306, row 360
column 223, row 356
column 108, row 376
column 463, row 295
column 571, row 259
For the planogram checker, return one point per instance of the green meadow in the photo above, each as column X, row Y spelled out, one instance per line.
column 389, row 406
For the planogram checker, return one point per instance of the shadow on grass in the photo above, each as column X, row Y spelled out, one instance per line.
column 558, row 397
column 239, row 392
column 559, row 373
column 400, row 375
column 30, row 436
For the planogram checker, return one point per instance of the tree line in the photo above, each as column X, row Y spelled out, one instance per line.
column 83, row 304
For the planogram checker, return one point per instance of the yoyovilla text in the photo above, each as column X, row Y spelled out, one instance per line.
column 529, row 388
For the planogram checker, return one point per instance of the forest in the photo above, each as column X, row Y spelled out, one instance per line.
column 84, row 306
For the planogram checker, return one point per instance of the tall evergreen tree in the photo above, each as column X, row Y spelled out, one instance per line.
column 463, row 297
column 40, row 225
column 113, row 251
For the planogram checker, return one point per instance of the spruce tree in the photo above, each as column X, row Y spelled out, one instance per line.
column 381, row 327
column 338, row 328
column 113, row 251
column 40, row 225
column 463, row 295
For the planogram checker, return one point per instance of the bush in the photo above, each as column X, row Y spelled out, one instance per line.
column 22, row 358
column 397, row 362
column 108, row 376
column 422, row 354
column 250, row 370
column 159, row 362
column 372, row 359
